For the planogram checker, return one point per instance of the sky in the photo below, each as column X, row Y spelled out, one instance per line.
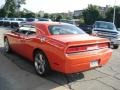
column 53, row 6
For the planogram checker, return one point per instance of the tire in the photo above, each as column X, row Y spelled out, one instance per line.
column 41, row 63
column 12, row 25
column 115, row 46
column 6, row 45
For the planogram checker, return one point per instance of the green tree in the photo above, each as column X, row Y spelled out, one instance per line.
column 30, row 15
column 46, row 15
column 2, row 14
column 27, row 14
column 10, row 7
column 53, row 17
column 109, row 15
column 58, row 18
column 91, row 14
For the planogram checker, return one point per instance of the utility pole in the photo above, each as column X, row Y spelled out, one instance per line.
column 114, row 11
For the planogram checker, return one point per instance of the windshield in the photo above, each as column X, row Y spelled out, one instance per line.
column 105, row 25
column 65, row 30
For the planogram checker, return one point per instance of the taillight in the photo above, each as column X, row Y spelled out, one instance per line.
column 84, row 48
column 104, row 45
column 76, row 49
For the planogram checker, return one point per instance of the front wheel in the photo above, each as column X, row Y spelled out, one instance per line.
column 6, row 45
column 115, row 46
column 41, row 63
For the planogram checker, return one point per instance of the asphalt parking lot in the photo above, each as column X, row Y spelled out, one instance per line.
column 16, row 73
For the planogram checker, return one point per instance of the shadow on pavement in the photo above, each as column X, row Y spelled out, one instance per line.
column 26, row 65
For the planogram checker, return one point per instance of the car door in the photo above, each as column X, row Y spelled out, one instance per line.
column 22, row 36
column 26, row 43
column 13, row 38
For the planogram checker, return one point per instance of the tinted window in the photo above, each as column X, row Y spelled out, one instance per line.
column 43, row 19
column 30, row 19
column 20, row 19
column 71, row 22
column 65, row 30
column 6, row 19
column 12, row 19
column 105, row 25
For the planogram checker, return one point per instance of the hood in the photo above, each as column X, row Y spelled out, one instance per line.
column 106, row 30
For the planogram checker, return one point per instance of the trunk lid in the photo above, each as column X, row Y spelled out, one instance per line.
column 83, row 39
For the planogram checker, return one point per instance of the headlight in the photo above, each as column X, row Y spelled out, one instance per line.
column 118, row 36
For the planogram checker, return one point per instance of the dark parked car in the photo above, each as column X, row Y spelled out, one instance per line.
column 7, row 21
column 17, row 22
column 31, row 19
column 1, row 21
column 44, row 19
column 87, row 28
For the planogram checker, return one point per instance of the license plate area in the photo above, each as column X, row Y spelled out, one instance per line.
column 94, row 63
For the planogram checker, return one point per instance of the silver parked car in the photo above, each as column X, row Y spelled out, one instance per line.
column 107, row 30
column 16, row 23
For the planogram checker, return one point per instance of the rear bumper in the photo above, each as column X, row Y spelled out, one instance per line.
column 81, row 62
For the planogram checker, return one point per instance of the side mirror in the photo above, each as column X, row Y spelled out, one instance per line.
column 15, row 30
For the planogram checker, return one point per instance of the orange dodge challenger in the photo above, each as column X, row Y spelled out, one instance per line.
column 58, row 46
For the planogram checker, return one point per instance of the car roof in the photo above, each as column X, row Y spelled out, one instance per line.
column 51, row 23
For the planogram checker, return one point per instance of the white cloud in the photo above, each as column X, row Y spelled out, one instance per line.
column 63, row 5
column 2, row 2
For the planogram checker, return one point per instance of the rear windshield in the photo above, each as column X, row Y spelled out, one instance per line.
column 65, row 30
column 105, row 25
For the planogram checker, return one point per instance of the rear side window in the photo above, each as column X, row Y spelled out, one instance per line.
column 65, row 30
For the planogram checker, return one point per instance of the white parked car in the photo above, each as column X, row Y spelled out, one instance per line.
column 17, row 22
